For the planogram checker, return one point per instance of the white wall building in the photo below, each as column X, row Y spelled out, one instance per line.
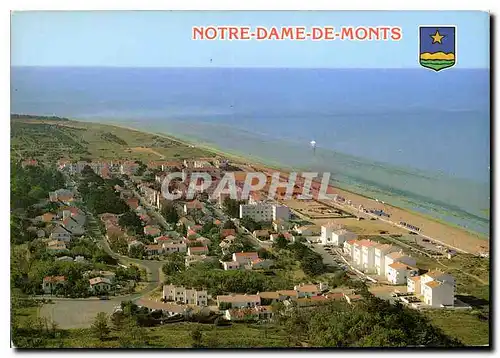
column 437, row 289
column 349, row 248
column 281, row 212
column 363, row 259
column 398, row 273
column 393, row 257
column 231, row 265
column 335, row 235
column 244, row 258
column 380, row 251
column 368, row 253
column 261, row 211
column 239, row 301
column 185, row 295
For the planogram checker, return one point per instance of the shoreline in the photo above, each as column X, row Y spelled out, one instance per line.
column 447, row 233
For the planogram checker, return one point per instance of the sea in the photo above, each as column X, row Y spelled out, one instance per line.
column 413, row 138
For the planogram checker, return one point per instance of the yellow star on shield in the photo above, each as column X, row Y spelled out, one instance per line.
column 437, row 37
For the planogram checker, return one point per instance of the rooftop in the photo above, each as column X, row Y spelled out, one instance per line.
column 54, row 279
column 96, row 280
column 238, row 298
column 433, row 284
column 398, row 266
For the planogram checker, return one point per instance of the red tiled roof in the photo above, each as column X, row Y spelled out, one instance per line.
column 198, row 248
column 246, row 254
column 227, row 232
column 54, row 279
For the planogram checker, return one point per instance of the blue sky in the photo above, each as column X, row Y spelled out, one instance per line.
column 144, row 38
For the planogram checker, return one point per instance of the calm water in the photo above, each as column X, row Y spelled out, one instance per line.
column 414, row 138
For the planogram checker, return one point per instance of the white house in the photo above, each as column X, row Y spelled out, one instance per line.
column 169, row 247
column 399, row 256
column 413, row 284
column 50, row 283
column 336, row 235
column 238, row 301
column 307, row 290
column 437, row 288
column 100, row 285
column 308, row 230
column 438, row 293
column 60, row 233
column 349, row 248
column 358, row 257
column 380, row 251
column 185, row 295
column 231, row 265
column 368, row 253
column 398, row 273
column 244, row 258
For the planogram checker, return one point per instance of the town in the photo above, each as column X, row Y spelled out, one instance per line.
column 103, row 231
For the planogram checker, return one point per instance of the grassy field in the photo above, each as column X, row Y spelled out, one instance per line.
column 464, row 325
column 178, row 335
column 49, row 140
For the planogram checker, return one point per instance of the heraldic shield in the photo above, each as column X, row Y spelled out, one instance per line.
column 437, row 47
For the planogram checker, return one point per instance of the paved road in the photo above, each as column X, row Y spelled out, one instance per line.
column 149, row 208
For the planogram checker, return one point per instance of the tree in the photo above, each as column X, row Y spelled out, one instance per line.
column 250, row 224
column 197, row 337
column 136, row 251
column 131, row 221
column 100, row 326
column 175, row 263
column 133, row 336
column 118, row 321
column 231, row 207
column 169, row 212
column 229, row 225
column 280, row 242
column 312, row 264
column 264, row 254
column 183, row 230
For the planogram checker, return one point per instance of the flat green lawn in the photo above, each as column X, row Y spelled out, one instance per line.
column 464, row 325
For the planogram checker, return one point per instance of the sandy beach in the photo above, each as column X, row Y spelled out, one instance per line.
column 447, row 234
column 450, row 235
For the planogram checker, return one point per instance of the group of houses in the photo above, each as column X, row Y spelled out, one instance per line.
column 240, row 307
column 237, row 307
column 100, row 284
column 335, row 235
column 62, row 225
column 248, row 261
column 436, row 288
